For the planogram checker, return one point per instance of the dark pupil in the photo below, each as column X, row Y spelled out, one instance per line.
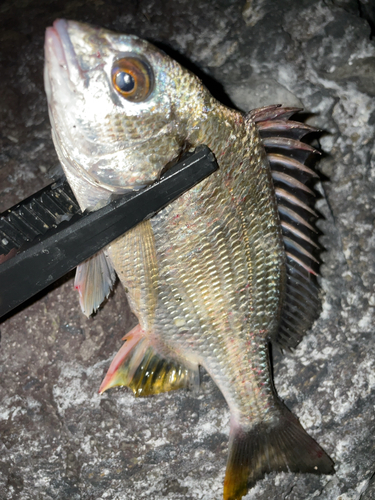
column 124, row 81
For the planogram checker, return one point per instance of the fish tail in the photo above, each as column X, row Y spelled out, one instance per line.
column 281, row 445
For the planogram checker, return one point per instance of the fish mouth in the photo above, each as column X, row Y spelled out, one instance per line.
column 59, row 50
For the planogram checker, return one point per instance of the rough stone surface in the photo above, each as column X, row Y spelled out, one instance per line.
column 59, row 438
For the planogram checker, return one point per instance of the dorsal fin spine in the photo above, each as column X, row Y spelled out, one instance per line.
column 298, row 233
column 287, row 156
column 294, row 200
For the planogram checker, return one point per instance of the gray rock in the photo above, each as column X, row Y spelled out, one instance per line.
column 59, row 439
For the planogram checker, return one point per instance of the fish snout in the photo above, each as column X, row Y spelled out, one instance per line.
column 59, row 52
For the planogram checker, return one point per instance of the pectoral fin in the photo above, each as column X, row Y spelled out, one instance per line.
column 139, row 366
column 94, row 281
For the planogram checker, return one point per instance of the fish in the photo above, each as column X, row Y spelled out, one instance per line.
column 218, row 275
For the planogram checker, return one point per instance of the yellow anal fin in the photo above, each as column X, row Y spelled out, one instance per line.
column 156, row 374
column 139, row 366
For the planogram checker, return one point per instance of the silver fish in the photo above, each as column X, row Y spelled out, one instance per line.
column 218, row 274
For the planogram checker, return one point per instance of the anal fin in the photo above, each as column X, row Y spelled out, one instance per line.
column 139, row 366
column 280, row 445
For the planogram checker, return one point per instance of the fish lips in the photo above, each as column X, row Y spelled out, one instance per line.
column 59, row 49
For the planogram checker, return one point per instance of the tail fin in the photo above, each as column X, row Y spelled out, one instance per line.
column 278, row 446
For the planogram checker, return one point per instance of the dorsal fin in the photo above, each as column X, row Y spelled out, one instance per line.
column 287, row 156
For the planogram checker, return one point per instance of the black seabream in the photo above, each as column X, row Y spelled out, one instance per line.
column 220, row 273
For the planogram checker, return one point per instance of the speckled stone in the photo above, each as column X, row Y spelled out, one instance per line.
column 59, row 438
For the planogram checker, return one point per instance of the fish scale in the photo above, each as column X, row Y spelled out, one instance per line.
column 218, row 274
column 134, row 256
column 201, row 275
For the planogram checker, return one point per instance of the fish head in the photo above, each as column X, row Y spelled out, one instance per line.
column 120, row 108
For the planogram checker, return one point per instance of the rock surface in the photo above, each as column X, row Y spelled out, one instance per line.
column 59, row 439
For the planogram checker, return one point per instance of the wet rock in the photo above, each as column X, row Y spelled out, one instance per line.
column 59, row 438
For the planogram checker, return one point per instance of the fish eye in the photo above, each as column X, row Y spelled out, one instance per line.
column 132, row 78
column 125, row 82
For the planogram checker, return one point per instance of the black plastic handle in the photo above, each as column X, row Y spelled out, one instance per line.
column 58, row 251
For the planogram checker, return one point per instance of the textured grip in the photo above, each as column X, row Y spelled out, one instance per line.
column 36, row 215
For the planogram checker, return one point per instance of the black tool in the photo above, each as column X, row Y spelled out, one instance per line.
column 44, row 258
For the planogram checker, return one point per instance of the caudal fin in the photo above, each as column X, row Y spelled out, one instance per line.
column 279, row 446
